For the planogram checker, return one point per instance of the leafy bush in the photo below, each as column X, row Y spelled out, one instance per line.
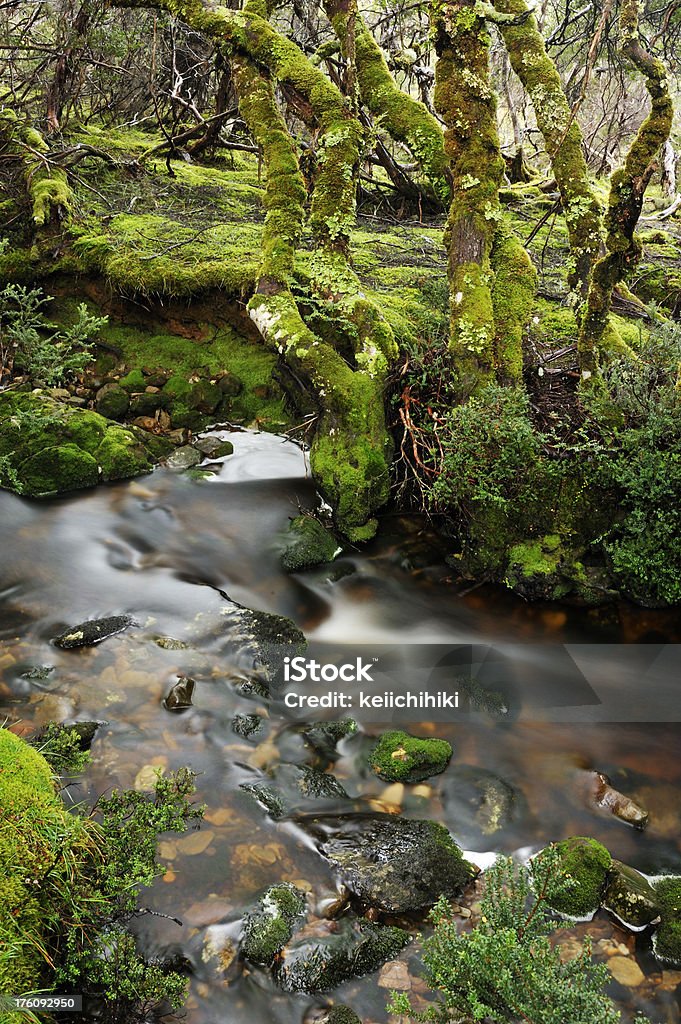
column 506, row 969
column 31, row 344
column 640, row 459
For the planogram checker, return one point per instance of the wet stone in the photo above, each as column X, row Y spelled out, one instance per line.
column 480, row 802
column 169, row 643
column 630, row 896
column 330, row 953
column 397, row 865
column 295, row 786
column 86, row 634
column 180, row 696
column 269, row 926
column 247, row 725
column 184, row 458
column 38, row 673
column 340, row 1014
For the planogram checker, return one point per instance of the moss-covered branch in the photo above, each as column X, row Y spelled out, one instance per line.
column 627, row 188
column 405, row 119
column 465, row 101
column 47, row 185
column 562, row 136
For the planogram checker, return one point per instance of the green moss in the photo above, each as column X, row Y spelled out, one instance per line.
column 585, row 863
column 133, row 381
column 269, row 926
column 34, row 828
column 513, row 292
column 667, row 942
column 668, row 893
column 120, row 455
column 308, row 544
column 57, row 470
column 400, row 757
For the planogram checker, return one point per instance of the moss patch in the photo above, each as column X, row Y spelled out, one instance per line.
column 585, row 863
column 400, row 757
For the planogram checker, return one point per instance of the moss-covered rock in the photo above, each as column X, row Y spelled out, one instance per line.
column 400, row 757
column 396, row 865
column 47, row 447
column 35, row 828
column 585, row 864
column 667, row 942
column 340, row 1014
column 342, row 950
column 269, row 926
column 112, row 401
column 308, row 544
column 630, row 896
column 543, row 570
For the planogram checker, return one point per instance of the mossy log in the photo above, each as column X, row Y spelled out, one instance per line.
column 562, row 135
column 405, row 119
column 627, row 189
column 47, row 186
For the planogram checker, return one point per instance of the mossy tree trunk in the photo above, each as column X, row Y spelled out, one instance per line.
column 405, row 119
column 351, row 452
column 627, row 188
column 466, row 103
column 562, row 135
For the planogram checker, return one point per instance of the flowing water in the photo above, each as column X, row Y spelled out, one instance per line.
column 168, row 550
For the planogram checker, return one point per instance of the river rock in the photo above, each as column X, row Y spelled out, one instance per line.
column 230, row 385
column 625, row 970
column 269, row 926
column 184, row 458
column 328, row 953
column 112, row 401
column 630, row 896
column 480, row 803
column 180, row 696
column 400, row 757
column 397, row 865
column 291, row 782
column 308, row 544
column 269, row 637
column 620, row 806
column 87, row 634
column 339, row 1014
column 247, row 725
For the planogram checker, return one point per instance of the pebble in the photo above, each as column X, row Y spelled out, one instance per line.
column 195, row 842
column 395, row 974
column 145, row 780
column 626, row 971
column 393, row 794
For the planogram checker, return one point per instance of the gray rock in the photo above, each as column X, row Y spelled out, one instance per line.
column 325, row 956
column 184, row 458
column 247, row 725
column 397, row 865
column 86, row 634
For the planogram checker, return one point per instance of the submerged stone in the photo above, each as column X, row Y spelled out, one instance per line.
column 247, row 725
column 618, row 804
column 330, row 953
column 480, row 802
column 400, row 757
column 269, row 926
column 325, row 736
column 308, row 544
column 397, row 865
column 87, row 634
column 293, row 784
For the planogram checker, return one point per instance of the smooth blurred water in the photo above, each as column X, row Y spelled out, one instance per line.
column 166, row 550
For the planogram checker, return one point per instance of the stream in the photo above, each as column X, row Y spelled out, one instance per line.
column 586, row 690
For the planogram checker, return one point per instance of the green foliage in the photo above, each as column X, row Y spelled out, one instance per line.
column 639, row 419
column 61, row 748
column 506, row 969
column 32, row 344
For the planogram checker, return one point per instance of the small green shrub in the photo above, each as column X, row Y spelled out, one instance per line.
column 32, row 345
column 506, row 969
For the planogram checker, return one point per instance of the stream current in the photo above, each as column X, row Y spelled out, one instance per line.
column 167, row 550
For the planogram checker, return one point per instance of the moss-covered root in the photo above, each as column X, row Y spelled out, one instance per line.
column 513, row 293
column 627, row 189
column 466, row 103
column 47, row 185
column 562, row 136
column 405, row 119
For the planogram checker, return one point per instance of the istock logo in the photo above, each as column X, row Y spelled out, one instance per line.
column 297, row 670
